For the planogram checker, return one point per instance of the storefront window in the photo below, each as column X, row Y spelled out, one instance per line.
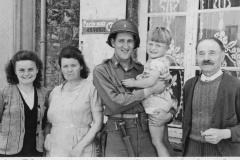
column 172, row 14
column 161, row 6
column 226, row 27
column 221, row 21
column 176, row 25
column 213, row 4
column 189, row 21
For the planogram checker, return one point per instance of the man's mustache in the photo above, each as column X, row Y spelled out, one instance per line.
column 207, row 63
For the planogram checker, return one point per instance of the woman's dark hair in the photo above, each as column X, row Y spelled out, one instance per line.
column 21, row 56
column 74, row 52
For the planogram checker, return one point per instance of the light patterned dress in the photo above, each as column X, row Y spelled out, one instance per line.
column 162, row 100
column 70, row 114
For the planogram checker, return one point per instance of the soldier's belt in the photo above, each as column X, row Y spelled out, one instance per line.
column 113, row 123
column 124, row 116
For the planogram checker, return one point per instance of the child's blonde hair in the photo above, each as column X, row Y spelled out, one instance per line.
column 160, row 35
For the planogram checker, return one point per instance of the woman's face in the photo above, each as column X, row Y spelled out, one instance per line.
column 26, row 71
column 71, row 69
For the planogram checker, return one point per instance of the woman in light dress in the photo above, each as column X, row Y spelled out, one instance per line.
column 75, row 111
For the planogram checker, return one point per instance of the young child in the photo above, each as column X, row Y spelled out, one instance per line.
column 155, row 69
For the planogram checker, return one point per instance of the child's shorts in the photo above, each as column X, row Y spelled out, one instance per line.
column 152, row 103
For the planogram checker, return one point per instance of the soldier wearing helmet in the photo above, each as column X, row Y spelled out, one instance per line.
column 122, row 105
column 124, row 25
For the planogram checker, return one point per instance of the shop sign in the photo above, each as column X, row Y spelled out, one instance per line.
column 90, row 26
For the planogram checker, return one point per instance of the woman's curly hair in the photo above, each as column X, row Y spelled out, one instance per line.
column 74, row 52
column 21, row 56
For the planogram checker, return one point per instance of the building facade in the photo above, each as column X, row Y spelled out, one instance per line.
column 187, row 20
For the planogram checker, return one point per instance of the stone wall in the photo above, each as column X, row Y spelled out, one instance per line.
column 132, row 14
column 132, row 10
column 62, row 30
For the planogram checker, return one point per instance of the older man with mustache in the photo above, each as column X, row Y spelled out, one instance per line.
column 211, row 120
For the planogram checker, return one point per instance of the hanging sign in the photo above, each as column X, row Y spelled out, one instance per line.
column 90, row 26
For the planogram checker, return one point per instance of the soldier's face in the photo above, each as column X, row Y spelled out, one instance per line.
column 123, row 46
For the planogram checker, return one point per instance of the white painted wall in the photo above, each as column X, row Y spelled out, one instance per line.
column 6, row 36
column 17, row 30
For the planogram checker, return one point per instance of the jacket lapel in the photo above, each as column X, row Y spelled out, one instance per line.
column 188, row 108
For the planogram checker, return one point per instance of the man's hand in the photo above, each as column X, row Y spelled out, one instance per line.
column 160, row 118
column 128, row 82
column 214, row 135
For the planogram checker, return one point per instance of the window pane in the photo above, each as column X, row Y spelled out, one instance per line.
column 224, row 26
column 213, row 4
column 234, row 73
column 176, row 90
column 161, row 6
column 197, row 72
column 176, row 26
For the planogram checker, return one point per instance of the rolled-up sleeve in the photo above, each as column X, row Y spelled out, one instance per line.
column 117, row 102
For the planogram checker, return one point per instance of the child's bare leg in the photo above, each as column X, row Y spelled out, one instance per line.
column 167, row 143
column 157, row 135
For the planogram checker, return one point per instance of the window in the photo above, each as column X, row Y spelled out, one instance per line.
column 188, row 21
column 172, row 15
column 220, row 18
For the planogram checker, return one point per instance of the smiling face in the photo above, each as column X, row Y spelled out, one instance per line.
column 209, row 57
column 26, row 71
column 123, row 46
column 156, row 49
column 71, row 69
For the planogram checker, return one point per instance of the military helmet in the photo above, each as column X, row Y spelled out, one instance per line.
column 124, row 25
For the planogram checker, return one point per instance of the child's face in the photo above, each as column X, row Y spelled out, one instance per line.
column 156, row 49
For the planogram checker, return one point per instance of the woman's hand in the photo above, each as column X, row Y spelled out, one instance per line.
column 97, row 116
column 47, row 142
column 77, row 151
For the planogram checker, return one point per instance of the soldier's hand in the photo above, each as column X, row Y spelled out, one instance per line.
column 160, row 118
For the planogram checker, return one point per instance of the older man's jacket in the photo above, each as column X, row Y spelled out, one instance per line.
column 226, row 113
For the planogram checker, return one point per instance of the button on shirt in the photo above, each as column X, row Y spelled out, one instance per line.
column 117, row 99
column 211, row 78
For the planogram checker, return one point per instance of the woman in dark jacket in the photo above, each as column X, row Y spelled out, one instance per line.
column 22, row 107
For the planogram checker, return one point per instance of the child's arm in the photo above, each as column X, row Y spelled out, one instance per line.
column 145, row 82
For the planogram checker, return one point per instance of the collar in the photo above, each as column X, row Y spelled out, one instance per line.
column 211, row 78
column 133, row 64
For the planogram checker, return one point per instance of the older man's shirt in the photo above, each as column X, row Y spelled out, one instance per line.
column 211, row 78
column 117, row 99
